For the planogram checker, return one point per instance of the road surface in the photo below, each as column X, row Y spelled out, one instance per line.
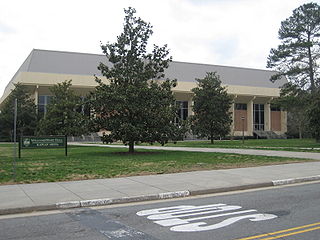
column 291, row 212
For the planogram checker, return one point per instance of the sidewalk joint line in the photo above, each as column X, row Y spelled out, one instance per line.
column 26, row 194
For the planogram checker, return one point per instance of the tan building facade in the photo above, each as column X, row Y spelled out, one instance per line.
column 251, row 89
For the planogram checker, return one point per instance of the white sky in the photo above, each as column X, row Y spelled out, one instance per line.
column 222, row 32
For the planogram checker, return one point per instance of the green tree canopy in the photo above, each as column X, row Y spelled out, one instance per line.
column 137, row 105
column 314, row 115
column 26, row 114
column 296, row 102
column 63, row 116
column 212, row 117
column 297, row 57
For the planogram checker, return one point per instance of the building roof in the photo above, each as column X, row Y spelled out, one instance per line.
column 46, row 61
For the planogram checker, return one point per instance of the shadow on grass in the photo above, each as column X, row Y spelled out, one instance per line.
column 110, row 152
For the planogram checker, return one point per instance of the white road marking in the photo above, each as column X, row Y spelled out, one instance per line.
column 193, row 213
column 176, row 217
column 175, row 209
column 186, row 221
column 197, row 227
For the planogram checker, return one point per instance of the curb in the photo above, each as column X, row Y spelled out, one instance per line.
column 230, row 189
column 160, row 196
column 110, row 201
column 295, row 180
column 28, row 209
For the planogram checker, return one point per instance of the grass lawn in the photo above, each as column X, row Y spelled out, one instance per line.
column 48, row 165
column 270, row 144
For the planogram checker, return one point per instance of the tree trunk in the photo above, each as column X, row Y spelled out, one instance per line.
column 300, row 131
column 311, row 72
column 300, row 134
column 211, row 139
column 131, row 147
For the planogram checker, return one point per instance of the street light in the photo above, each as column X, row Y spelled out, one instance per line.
column 242, row 118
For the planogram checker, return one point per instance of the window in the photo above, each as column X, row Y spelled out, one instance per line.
column 240, row 106
column 258, row 117
column 182, row 110
column 43, row 101
column 84, row 108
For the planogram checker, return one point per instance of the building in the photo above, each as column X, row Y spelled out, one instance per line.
column 251, row 88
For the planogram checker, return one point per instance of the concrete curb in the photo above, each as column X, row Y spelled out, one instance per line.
column 167, row 195
column 295, row 180
column 109, row 201
column 28, row 209
column 230, row 189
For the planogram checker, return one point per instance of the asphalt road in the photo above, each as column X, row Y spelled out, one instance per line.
column 276, row 213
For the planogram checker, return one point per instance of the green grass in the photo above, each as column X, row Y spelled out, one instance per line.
column 270, row 144
column 48, row 165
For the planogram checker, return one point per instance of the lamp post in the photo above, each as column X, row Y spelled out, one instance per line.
column 242, row 118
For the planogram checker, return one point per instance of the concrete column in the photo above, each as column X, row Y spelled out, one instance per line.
column 233, row 115
column 36, row 95
column 284, row 126
column 190, row 104
column 250, row 117
column 232, row 123
column 267, row 117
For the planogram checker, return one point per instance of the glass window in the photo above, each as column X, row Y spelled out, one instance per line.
column 41, row 108
column 182, row 110
column 43, row 101
column 240, row 106
column 258, row 116
column 49, row 98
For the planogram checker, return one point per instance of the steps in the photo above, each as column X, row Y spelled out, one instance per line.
column 268, row 135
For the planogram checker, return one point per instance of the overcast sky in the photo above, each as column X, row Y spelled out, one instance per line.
column 222, row 32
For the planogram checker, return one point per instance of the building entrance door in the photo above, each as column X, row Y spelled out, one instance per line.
column 258, row 117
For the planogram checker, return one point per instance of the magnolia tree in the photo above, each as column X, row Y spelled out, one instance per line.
column 26, row 114
column 212, row 116
column 137, row 104
column 63, row 116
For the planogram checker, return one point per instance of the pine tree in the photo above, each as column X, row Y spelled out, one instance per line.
column 296, row 102
column 297, row 57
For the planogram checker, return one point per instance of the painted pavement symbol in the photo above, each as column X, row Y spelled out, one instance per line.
column 188, row 218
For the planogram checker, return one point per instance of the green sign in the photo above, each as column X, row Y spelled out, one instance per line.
column 43, row 142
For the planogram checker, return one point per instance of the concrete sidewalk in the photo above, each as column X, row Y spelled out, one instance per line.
column 305, row 155
column 47, row 196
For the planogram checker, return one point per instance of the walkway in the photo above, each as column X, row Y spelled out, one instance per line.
column 46, row 196
column 306, row 155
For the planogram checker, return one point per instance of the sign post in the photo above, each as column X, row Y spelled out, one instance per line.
column 30, row 142
column 242, row 118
